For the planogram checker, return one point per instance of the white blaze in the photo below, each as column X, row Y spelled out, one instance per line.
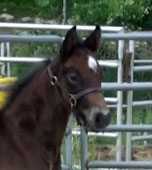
column 92, row 63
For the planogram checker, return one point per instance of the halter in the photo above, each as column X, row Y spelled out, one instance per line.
column 73, row 98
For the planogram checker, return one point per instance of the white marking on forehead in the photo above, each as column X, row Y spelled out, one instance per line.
column 92, row 63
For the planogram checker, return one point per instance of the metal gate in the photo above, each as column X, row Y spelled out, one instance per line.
column 114, row 34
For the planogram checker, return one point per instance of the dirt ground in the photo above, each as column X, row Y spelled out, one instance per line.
column 142, row 153
column 139, row 153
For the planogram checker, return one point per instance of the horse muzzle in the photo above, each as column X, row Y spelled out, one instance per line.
column 97, row 119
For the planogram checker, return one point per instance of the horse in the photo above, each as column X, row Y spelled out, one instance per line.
column 33, row 122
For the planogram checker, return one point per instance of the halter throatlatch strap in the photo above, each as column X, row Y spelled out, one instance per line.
column 72, row 97
column 62, row 90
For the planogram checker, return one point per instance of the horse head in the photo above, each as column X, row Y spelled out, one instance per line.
column 81, row 75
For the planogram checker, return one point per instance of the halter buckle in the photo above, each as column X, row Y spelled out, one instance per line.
column 53, row 80
column 72, row 100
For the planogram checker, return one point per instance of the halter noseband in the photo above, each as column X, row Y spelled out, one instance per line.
column 72, row 97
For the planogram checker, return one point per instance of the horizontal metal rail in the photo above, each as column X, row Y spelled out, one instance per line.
column 109, row 63
column 146, row 36
column 142, row 103
column 142, row 61
column 141, row 138
column 120, row 164
column 30, row 38
column 129, row 128
column 126, row 128
column 99, row 134
column 57, row 27
column 142, row 68
column 114, row 106
column 145, row 103
column 111, row 100
column 22, row 59
column 127, row 86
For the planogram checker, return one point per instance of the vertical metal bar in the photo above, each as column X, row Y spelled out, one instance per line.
column 2, row 49
column 64, row 12
column 2, row 55
column 130, row 102
column 84, row 148
column 120, row 99
column 68, row 144
column 145, row 141
column 8, row 55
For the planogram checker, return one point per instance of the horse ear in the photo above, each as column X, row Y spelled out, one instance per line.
column 69, row 42
column 93, row 41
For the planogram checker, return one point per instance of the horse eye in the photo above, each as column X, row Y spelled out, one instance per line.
column 72, row 78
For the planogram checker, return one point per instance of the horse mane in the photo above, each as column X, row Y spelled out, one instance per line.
column 18, row 87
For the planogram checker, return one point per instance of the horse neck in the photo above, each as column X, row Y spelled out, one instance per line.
column 54, row 114
column 40, row 110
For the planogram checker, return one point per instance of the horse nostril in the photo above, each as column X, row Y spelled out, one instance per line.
column 102, row 119
column 98, row 118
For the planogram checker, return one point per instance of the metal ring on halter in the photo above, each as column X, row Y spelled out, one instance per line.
column 53, row 80
column 72, row 100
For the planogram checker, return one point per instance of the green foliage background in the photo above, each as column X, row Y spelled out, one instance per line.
column 135, row 14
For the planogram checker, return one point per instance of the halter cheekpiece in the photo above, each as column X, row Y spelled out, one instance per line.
column 73, row 98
